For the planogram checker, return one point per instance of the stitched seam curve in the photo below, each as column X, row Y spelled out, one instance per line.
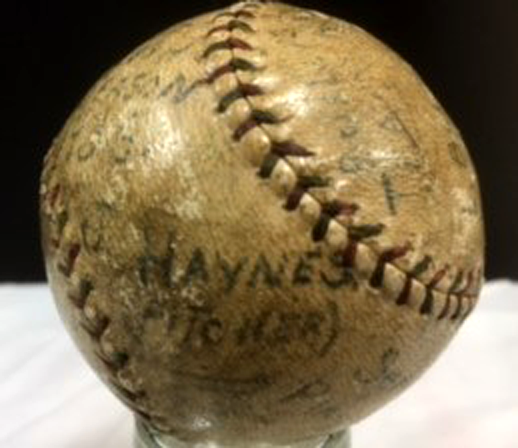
column 79, row 291
column 458, row 299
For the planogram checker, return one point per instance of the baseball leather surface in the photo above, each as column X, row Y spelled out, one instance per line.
column 261, row 226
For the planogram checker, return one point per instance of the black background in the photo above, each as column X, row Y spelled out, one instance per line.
column 53, row 51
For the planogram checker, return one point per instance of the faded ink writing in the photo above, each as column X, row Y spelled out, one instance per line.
column 251, row 272
column 315, row 328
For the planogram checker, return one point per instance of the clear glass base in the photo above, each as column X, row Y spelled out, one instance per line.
column 147, row 438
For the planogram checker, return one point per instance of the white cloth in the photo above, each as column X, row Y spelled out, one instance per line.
column 49, row 398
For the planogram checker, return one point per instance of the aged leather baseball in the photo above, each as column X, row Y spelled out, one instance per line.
column 261, row 226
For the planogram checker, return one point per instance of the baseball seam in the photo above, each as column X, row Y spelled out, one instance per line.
column 95, row 324
column 404, row 288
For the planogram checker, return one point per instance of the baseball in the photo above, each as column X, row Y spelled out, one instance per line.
column 261, row 226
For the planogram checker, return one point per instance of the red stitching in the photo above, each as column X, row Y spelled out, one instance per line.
column 304, row 183
column 232, row 43
column 232, row 66
column 469, row 284
column 95, row 328
column 349, row 254
column 329, row 211
column 438, row 277
column 446, row 308
column 231, row 26
column 289, row 148
column 458, row 310
column 428, row 303
column 404, row 296
column 241, row 91
column 256, row 118
column 235, row 15
column 80, row 297
column 389, row 256
column 71, row 258
column 338, row 208
column 278, row 151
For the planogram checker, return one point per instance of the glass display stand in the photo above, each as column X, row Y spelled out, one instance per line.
column 148, row 438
